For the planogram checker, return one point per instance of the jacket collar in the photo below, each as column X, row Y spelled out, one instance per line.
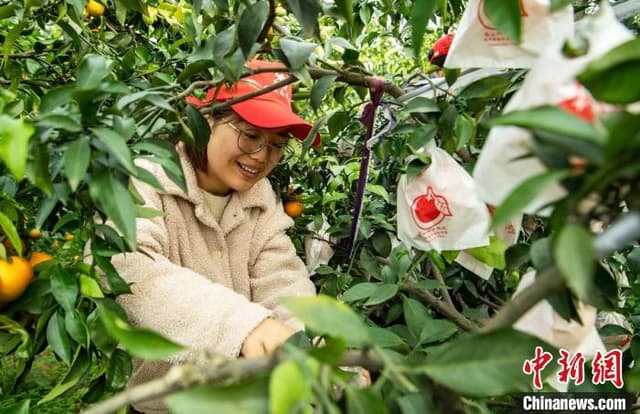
column 238, row 206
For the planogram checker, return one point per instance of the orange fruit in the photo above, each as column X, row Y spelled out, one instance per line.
column 39, row 257
column 15, row 276
column 94, row 8
column 34, row 234
column 293, row 208
column 68, row 236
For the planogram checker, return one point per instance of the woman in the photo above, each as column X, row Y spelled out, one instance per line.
column 214, row 265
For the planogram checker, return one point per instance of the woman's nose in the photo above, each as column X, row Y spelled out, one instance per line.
column 262, row 155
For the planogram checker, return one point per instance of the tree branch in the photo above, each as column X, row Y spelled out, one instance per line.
column 548, row 282
column 214, row 371
column 442, row 307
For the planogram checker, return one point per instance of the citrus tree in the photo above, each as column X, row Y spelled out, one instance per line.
column 90, row 87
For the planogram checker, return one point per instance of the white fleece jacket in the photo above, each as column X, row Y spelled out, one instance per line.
column 208, row 284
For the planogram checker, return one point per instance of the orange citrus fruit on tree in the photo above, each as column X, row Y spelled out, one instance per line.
column 293, row 208
column 15, row 276
column 39, row 257
column 34, row 234
column 94, row 8
column 68, row 236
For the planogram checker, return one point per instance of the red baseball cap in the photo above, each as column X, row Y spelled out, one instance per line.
column 271, row 110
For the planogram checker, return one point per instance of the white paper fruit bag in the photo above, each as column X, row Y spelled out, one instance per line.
column 478, row 44
column 439, row 208
column 505, row 160
column 317, row 249
column 507, row 232
column 542, row 321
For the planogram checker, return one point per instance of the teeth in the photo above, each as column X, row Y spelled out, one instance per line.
column 251, row 170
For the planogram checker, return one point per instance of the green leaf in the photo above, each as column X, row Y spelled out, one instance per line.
column 463, row 130
column 575, row 257
column 76, row 327
column 421, row 12
column 118, row 370
column 75, row 161
column 146, row 212
column 421, row 105
column 422, row 135
column 381, row 243
column 10, row 231
column 289, row 389
column 359, row 291
column 437, row 330
column 199, row 126
column 614, row 77
column 345, row 10
column 484, row 365
column 139, row 342
column 524, row 194
column 541, row 254
column 365, row 401
column 551, row 119
column 89, row 287
column 14, row 144
column 296, row 51
column 115, row 201
column 57, row 338
column 558, row 4
column 38, row 169
column 306, row 12
column 116, row 145
column 319, row 90
column 416, row 315
column 65, row 122
column 64, row 287
column 385, row 338
column 78, row 370
column 505, row 15
column 326, row 315
column 251, row 397
column 91, row 71
column 250, row 25
column 485, row 89
column 55, row 98
column 382, row 294
column 21, row 407
column 331, row 352
column 492, row 255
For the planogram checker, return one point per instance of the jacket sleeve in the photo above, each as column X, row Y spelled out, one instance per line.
column 278, row 271
column 177, row 302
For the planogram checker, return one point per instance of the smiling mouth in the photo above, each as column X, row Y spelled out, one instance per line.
column 250, row 170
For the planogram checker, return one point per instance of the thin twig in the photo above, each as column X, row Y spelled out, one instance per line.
column 442, row 307
column 445, row 290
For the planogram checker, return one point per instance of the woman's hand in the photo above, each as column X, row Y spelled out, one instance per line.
column 265, row 338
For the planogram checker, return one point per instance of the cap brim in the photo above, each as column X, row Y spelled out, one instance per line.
column 268, row 114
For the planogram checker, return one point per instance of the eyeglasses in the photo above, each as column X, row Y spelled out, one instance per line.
column 251, row 143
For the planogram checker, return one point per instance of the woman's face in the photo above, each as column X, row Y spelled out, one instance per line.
column 229, row 167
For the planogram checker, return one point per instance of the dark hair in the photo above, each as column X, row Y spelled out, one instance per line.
column 198, row 156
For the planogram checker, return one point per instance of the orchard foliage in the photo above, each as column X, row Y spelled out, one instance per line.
column 83, row 96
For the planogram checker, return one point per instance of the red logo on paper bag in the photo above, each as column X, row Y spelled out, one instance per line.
column 580, row 104
column 429, row 209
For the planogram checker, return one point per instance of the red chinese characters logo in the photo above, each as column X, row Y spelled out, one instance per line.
column 429, row 209
column 536, row 365
column 572, row 367
column 606, row 367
